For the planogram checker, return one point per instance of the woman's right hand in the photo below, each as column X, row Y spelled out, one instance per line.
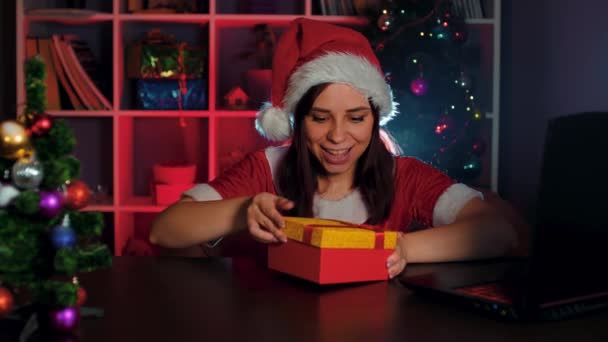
column 264, row 221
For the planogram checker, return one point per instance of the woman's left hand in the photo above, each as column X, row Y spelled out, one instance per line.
column 397, row 261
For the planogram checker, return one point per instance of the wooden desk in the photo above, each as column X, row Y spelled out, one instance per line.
column 175, row 299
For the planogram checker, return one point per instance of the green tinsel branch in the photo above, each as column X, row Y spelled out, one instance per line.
column 58, row 171
column 87, row 224
column 70, row 261
column 56, row 293
column 28, row 202
column 58, row 142
column 35, row 89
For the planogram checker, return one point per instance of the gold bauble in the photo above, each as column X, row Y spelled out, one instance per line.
column 14, row 141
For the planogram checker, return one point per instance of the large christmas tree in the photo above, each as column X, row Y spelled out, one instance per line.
column 420, row 45
column 44, row 240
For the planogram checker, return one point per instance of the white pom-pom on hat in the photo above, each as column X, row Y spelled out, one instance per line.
column 273, row 123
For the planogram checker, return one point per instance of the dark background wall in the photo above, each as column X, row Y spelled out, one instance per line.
column 7, row 59
column 554, row 62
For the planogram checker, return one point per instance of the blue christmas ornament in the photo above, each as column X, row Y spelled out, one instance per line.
column 63, row 236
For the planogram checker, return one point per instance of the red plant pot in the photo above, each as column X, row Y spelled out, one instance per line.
column 174, row 174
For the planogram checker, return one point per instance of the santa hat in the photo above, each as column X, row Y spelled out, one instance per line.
column 309, row 53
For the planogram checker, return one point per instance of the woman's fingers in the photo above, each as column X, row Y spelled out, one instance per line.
column 396, row 268
column 393, row 258
column 273, row 220
column 396, row 262
column 284, row 204
column 264, row 218
column 260, row 234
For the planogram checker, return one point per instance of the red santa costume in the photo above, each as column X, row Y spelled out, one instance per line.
column 311, row 53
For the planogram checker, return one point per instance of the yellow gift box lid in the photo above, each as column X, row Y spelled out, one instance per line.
column 325, row 233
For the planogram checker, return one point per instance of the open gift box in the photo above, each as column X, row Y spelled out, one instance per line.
column 329, row 251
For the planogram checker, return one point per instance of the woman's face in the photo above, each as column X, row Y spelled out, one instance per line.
column 338, row 128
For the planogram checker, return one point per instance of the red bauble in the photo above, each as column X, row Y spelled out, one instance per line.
column 77, row 195
column 82, row 296
column 6, row 302
column 41, row 124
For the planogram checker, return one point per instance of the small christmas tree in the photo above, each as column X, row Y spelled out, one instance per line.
column 44, row 240
column 421, row 45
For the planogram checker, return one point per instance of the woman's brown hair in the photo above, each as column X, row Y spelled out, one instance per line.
column 297, row 175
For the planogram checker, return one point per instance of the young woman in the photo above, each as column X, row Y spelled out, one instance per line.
column 329, row 98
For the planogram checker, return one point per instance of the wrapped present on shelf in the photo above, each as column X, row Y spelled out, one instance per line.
column 170, row 74
column 166, row 194
column 170, row 94
column 160, row 55
column 329, row 251
column 171, row 180
column 174, row 173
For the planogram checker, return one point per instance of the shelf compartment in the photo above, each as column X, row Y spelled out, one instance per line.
column 81, row 113
column 98, row 39
column 140, row 7
column 166, row 113
column 148, row 141
column 131, row 238
column 232, row 147
column 104, row 6
column 94, row 151
column 195, row 35
column 260, row 7
column 233, row 71
column 142, row 204
column 170, row 18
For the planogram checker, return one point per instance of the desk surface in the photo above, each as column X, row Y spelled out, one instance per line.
column 175, row 299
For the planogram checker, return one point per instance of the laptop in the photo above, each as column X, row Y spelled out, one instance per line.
column 565, row 273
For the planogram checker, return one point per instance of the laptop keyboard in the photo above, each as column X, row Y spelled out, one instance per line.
column 496, row 292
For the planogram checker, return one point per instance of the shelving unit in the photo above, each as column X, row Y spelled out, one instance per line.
column 118, row 147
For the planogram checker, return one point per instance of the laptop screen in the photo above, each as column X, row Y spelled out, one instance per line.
column 570, row 242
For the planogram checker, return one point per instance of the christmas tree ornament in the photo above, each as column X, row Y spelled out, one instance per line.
column 472, row 167
column 419, row 86
column 64, row 320
column 464, row 81
column 27, row 173
column 7, row 194
column 6, row 302
column 479, row 147
column 41, row 124
column 385, row 21
column 82, row 296
column 51, row 203
column 445, row 124
column 14, row 142
column 63, row 236
column 459, row 32
column 76, row 195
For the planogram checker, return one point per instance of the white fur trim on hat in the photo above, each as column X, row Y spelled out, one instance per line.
column 341, row 67
column 273, row 123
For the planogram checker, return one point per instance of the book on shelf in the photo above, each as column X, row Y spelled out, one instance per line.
column 84, row 57
column 69, row 85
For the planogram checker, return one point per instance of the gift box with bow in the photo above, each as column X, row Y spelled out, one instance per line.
column 330, row 251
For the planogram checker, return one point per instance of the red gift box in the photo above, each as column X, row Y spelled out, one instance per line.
column 328, row 251
column 166, row 194
column 174, row 173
